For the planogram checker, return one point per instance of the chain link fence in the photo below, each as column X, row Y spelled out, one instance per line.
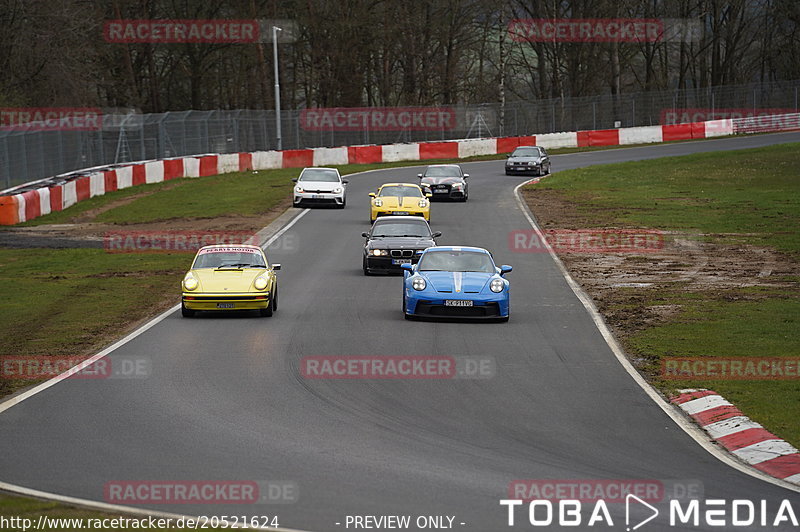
column 29, row 155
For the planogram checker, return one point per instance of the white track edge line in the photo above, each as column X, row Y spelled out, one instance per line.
column 680, row 419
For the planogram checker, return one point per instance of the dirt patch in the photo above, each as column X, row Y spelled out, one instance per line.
column 624, row 285
column 91, row 214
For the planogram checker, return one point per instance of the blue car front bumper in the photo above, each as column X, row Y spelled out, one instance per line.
column 429, row 303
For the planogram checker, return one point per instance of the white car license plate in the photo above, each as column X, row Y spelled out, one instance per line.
column 457, row 303
column 440, row 191
column 401, row 261
column 317, row 196
column 400, row 212
column 225, row 305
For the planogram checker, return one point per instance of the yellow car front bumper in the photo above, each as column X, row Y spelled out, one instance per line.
column 375, row 212
column 201, row 301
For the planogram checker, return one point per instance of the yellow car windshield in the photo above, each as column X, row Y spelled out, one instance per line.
column 401, row 191
column 229, row 260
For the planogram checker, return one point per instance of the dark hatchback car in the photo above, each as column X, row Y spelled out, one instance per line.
column 394, row 241
column 527, row 159
column 445, row 181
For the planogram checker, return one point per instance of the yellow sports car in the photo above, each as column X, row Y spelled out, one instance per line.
column 401, row 199
column 226, row 277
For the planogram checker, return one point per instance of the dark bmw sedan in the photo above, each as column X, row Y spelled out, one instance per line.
column 445, row 181
column 526, row 159
column 394, row 241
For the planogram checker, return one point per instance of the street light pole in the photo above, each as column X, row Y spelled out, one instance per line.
column 275, row 30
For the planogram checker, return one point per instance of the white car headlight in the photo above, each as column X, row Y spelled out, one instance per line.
column 379, row 252
column 190, row 283
column 299, row 190
column 423, row 203
column 378, row 202
column 497, row 285
column 418, row 283
column 260, row 283
column 337, row 190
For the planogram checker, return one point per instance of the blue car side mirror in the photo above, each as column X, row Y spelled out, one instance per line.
column 406, row 267
column 505, row 268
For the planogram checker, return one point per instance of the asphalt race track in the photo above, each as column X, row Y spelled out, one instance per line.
column 226, row 400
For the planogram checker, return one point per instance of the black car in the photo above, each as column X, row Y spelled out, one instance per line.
column 445, row 181
column 527, row 159
column 396, row 240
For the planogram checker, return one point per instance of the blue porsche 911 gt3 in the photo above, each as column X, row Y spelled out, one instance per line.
column 455, row 282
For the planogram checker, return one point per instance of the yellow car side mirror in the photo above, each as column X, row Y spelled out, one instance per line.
column 371, row 194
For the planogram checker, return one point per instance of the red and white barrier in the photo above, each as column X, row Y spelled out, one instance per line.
column 744, row 438
column 16, row 208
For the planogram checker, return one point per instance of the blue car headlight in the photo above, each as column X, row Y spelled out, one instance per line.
column 418, row 283
column 497, row 285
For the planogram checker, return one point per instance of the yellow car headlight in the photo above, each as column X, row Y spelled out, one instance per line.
column 378, row 202
column 423, row 203
column 190, row 283
column 260, row 283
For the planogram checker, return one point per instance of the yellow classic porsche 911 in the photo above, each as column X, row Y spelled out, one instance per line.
column 400, row 199
column 230, row 277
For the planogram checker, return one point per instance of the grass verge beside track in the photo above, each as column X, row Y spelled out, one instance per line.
column 726, row 282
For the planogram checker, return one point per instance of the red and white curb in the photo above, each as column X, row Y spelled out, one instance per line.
column 742, row 437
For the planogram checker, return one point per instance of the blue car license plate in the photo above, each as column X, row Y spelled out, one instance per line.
column 457, row 302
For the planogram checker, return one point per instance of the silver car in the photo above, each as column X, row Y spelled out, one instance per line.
column 320, row 186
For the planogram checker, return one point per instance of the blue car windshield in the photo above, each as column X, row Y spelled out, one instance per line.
column 456, row 261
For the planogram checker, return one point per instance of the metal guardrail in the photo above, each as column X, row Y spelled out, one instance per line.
column 29, row 155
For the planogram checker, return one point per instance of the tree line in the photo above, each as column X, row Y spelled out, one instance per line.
column 357, row 53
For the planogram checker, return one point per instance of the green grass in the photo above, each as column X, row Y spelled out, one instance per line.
column 743, row 191
column 754, row 197
column 59, row 302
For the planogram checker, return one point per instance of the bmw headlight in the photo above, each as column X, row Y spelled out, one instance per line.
column 497, row 285
column 378, row 202
column 260, row 283
column 337, row 190
column 379, row 252
column 299, row 190
column 423, row 203
column 189, row 282
column 418, row 283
